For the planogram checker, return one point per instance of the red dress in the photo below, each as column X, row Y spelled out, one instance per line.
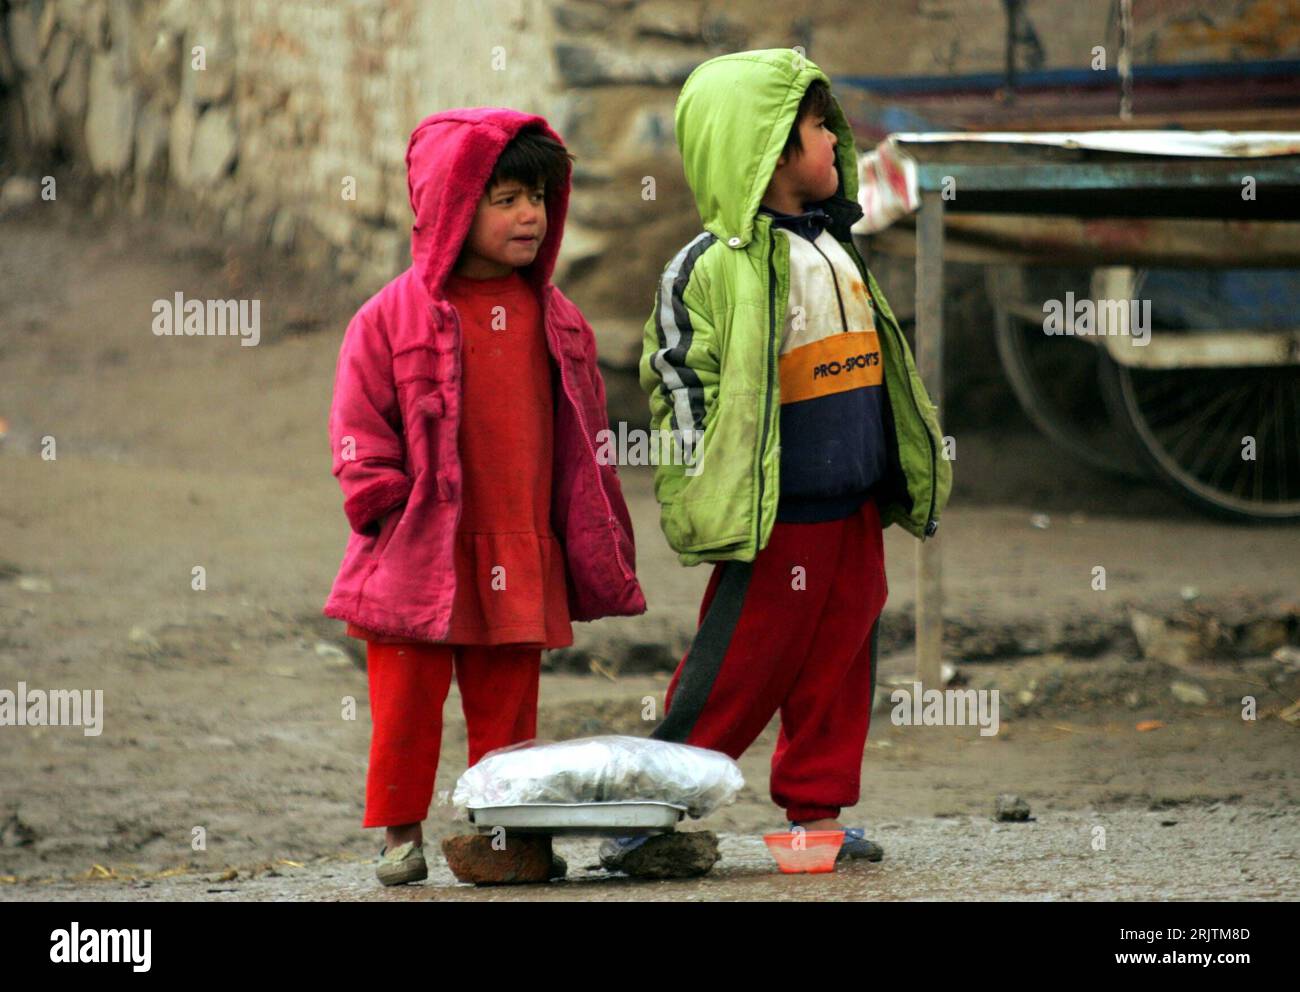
column 510, row 579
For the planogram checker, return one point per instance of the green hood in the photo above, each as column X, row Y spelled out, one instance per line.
column 746, row 103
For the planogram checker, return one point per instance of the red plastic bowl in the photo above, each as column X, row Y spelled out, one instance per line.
column 810, row 851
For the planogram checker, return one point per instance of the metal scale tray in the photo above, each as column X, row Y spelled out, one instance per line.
column 624, row 818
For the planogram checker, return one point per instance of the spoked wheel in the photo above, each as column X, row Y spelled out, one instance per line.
column 1194, row 428
column 1054, row 377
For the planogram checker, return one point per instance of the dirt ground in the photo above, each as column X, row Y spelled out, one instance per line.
column 224, row 707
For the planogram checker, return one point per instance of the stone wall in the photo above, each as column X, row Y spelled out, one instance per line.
column 267, row 115
column 281, row 121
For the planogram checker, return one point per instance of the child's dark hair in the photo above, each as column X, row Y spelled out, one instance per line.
column 532, row 158
column 817, row 103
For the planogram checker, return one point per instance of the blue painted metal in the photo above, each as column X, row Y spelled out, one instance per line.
column 1054, row 78
column 1202, row 299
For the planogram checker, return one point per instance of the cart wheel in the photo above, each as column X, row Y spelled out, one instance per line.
column 1054, row 379
column 1190, row 426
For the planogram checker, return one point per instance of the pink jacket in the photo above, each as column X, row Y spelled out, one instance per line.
column 395, row 415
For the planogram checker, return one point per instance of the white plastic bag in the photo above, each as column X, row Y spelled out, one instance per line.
column 611, row 768
column 887, row 187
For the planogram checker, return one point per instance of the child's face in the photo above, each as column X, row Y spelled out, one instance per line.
column 811, row 174
column 508, row 229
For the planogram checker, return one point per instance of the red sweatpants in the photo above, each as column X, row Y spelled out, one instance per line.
column 408, row 687
column 794, row 631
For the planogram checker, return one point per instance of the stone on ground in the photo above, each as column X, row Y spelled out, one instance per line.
column 515, row 859
column 675, row 855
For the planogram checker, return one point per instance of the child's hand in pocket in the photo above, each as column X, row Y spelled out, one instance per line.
column 381, row 523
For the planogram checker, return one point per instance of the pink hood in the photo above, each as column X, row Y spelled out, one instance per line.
column 395, row 416
column 448, row 162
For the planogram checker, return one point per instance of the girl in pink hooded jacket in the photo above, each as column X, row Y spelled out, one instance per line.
column 464, row 420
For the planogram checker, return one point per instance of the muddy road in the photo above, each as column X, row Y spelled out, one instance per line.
column 225, row 708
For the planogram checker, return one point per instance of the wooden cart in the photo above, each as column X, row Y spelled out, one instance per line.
column 1213, row 414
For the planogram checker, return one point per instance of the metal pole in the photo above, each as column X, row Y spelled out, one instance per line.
column 929, row 363
column 1124, row 64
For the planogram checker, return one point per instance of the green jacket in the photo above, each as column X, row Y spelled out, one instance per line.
column 710, row 348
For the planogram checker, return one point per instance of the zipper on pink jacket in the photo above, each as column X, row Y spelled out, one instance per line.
column 564, row 382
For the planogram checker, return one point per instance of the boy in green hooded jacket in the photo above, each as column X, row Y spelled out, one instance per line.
column 775, row 365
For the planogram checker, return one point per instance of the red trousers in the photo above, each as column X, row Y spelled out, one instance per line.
column 794, row 631
column 408, row 686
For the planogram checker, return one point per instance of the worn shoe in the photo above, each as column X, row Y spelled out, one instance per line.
column 616, row 849
column 855, row 845
column 404, row 863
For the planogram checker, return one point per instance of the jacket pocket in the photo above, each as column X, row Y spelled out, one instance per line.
column 415, row 364
column 704, row 527
column 573, row 342
column 709, row 506
column 386, row 533
column 397, row 518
